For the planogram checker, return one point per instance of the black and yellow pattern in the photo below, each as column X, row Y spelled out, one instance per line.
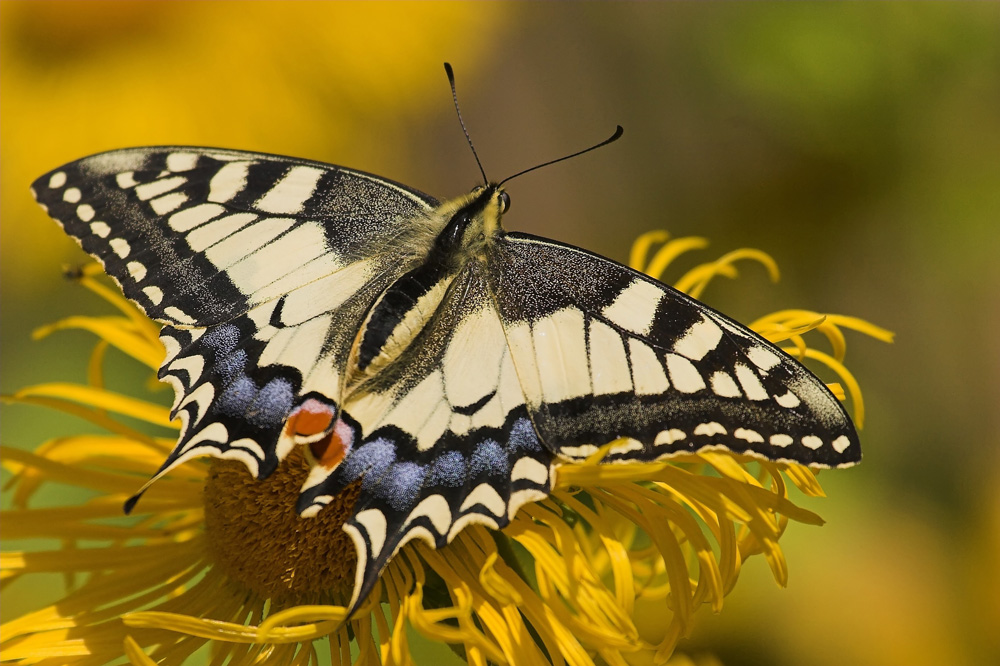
column 417, row 346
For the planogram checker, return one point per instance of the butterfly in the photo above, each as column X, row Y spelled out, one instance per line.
column 415, row 346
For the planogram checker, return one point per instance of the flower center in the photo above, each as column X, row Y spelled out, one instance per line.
column 256, row 537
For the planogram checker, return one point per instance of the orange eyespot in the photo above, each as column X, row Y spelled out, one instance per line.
column 330, row 450
column 313, row 423
column 311, row 418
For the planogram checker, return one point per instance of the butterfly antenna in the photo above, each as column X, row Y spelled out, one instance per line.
column 454, row 96
column 614, row 137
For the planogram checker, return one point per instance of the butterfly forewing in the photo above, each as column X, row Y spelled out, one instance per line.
column 605, row 353
column 198, row 236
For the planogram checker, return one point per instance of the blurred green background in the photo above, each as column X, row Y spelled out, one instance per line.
column 859, row 144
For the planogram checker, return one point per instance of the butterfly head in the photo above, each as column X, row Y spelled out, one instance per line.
column 473, row 220
column 491, row 197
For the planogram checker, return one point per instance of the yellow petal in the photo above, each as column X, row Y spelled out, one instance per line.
column 119, row 332
column 641, row 246
column 670, row 251
column 99, row 398
column 135, row 654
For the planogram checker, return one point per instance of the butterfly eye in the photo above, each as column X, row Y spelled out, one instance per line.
column 504, row 202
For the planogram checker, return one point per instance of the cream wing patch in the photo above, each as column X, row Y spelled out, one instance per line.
column 634, row 309
column 647, row 371
column 472, row 361
column 561, row 355
column 522, row 350
column 289, row 195
column 699, row 340
column 609, row 364
column 229, row 181
column 266, row 265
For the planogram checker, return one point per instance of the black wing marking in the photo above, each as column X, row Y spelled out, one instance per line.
column 199, row 236
column 443, row 437
column 604, row 352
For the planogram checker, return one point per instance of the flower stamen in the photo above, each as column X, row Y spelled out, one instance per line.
column 255, row 535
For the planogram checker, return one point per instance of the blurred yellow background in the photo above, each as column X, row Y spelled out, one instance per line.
column 859, row 144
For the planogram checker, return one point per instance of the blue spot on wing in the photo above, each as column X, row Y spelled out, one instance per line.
column 400, row 485
column 370, row 461
column 489, row 459
column 231, row 365
column 272, row 404
column 448, row 469
column 523, row 437
column 237, row 397
column 221, row 339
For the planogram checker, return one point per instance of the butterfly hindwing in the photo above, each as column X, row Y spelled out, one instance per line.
column 237, row 382
column 198, row 236
column 604, row 352
column 445, row 436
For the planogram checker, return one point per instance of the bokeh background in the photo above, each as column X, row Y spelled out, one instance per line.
column 859, row 144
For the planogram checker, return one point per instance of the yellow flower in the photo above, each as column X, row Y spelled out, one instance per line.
column 213, row 557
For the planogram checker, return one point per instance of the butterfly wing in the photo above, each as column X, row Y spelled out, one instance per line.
column 444, row 439
column 547, row 351
column 198, row 236
column 236, row 383
column 604, row 352
column 261, row 267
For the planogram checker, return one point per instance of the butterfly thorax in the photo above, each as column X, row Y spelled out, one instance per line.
column 468, row 224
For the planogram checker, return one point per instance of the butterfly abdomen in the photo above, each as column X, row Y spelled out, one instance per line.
column 398, row 316
column 405, row 308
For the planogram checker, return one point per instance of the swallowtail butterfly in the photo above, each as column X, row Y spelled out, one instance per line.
column 414, row 344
